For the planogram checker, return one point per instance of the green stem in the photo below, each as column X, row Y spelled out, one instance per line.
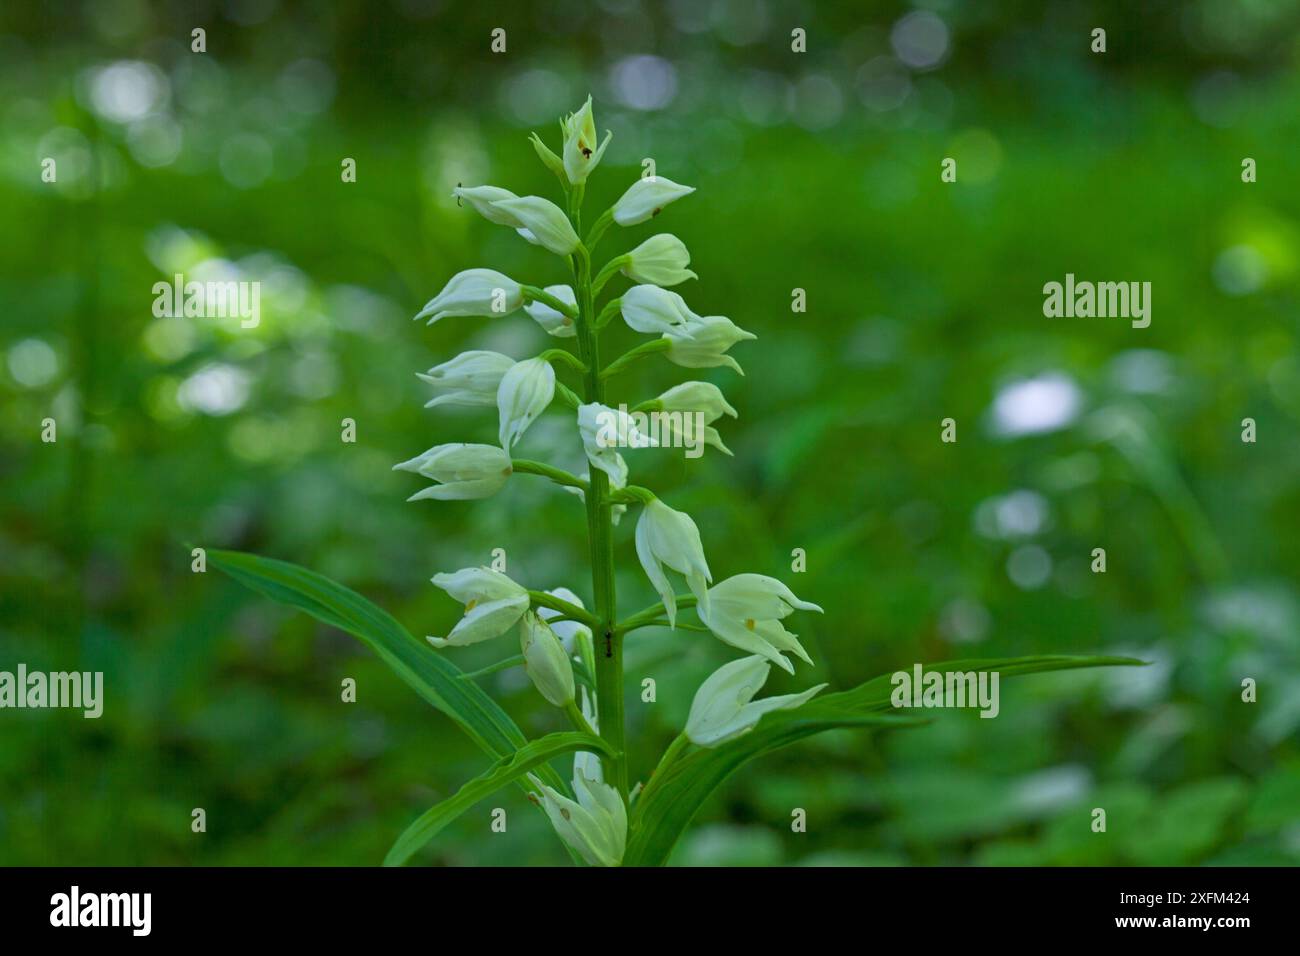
column 568, row 395
column 652, row 613
column 503, row 665
column 653, row 347
column 608, row 643
column 526, row 466
column 570, row 611
column 598, row 228
column 607, row 314
column 575, row 717
column 533, row 294
column 664, row 622
column 608, row 272
column 633, row 495
column 561, row 355
column 680, row 743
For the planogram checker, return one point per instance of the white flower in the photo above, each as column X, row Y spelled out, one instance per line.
column 524, row 393
column 692, row 398
column 668, row 537
column 703, row 397
column 581, row 154
column 555, row 323
column 723, row 708
column 617, row 481
column 603, row 429
column 570, row 633
column 545, row 661
column 545, row 220
column 471, row 378
column 745, row 611
column 660, row 260
column 462, row 471
column 595, row 825
column 648, row 308
column 482, row 198
column 475, row 292
column 703, row 342
column 646, row 197
column 493, row 603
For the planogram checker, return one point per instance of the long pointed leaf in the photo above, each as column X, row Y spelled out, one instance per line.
column 430, row 674
column 667, row 805
column 432, row 821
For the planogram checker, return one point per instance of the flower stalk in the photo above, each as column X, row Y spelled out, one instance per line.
column 608, row 665
column 567, row 647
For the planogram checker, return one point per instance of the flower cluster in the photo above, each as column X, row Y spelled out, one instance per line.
column 557, row 631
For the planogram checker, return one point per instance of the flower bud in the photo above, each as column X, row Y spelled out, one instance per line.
column 482, row 199
column 545, row 220
column 668, row 537
column 545, row 662
column 703, row 397
column 660, row 260
column 475, row 292
column 646, row 197
column 595, row 825
column 524, row 393
column 493, row 603
column 724, row 708
column 555, row 323
column 463, row 471
column 648, row 308
column 471, row 378
column 581, row 154
column 703, row 342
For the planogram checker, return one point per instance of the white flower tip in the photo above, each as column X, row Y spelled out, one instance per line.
column 437, row 641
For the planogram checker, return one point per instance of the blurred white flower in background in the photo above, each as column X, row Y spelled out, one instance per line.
column 1032, row 406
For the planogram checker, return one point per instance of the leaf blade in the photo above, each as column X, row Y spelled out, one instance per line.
column 425, row 827
column 667, row 806
column 430, row 674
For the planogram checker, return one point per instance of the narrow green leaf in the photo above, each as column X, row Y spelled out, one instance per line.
column 667, row 806
column 432, row 821
column 429, row 673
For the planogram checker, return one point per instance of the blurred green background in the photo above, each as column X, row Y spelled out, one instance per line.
column 817, row 171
